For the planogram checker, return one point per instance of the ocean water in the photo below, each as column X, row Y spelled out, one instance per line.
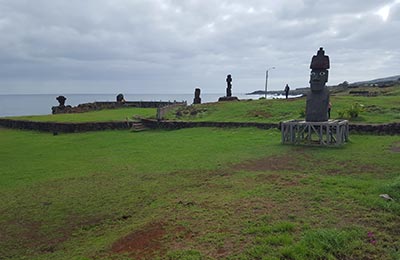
column 40, row 104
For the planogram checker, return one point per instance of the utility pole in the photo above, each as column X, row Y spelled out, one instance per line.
column 266, row 80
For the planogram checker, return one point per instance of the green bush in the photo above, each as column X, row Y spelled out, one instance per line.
column 355, row 109
column 302, row 113
column 342, row 113
column 352, row 112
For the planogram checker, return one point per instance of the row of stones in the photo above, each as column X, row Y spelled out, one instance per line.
column 384, row 129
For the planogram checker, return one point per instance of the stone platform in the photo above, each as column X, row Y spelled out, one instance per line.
column 228, row 99
column 327, row 133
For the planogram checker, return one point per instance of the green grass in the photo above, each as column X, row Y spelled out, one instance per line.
column 202, row 193
column 212, row 194
column 95, row 116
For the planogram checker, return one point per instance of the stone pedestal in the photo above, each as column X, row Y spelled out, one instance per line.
column 61, row 109
column 328, row 133
column 228, row 99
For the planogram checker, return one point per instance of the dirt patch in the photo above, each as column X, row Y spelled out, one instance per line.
column 272, row 163
column 395, row 147
column 279, row 179
column 354, row 168
column 259, row 113
column 254, row 207
column 142, row 244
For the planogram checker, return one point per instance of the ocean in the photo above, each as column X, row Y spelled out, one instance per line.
column 40, row 104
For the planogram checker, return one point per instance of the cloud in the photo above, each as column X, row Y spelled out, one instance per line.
column 175, row 46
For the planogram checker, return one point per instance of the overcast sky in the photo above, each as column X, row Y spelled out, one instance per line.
column 174, row 46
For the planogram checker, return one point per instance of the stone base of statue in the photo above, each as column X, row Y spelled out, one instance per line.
column 328, row 133
column 197, row 101
column 61, row 109
column 228, row 99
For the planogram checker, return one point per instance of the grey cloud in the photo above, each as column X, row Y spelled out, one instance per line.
column 181, row 44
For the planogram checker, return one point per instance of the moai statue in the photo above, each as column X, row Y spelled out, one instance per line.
column 229, row 85
column 120, row 98
column 197, row 99
column 318, row 97
column 61, row 101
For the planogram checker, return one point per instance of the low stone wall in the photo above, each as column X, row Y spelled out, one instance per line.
column 63, row 127
column 381, row 129
column 86, row 107
column 365, row 93
column 150, row 123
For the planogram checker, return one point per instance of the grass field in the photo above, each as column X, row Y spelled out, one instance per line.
column 202, row 193
column 95, row 116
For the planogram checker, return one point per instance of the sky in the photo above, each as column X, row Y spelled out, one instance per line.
column 175, row 46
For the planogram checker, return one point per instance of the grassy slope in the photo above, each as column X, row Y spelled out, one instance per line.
column 72, row 196
column 95, row 116
column 381, row 109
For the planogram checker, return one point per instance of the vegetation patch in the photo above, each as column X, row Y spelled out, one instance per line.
column 396, row 147
column 260, row 114
column 190, row 111
column 121, row 114
column 273, row 163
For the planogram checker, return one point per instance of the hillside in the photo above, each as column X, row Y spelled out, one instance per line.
column 380, row 82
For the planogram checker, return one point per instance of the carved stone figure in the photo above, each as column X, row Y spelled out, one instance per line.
column 229, row 85
column 61, row 100
column 318, row 97
column 197, row 99
column 120, row 98
column 228, row 96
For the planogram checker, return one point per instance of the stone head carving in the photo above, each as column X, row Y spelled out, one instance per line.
column 61, row 100
column 120, row 98
column 319, row 70
column 197, row 99
column 318, row 97
column 197, row 93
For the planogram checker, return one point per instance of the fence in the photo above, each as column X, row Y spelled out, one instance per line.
column 329, row 133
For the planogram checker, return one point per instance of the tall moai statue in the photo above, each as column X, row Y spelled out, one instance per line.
column 229, row 85
column 228, row 96
column 197, row 99
column 318, row 97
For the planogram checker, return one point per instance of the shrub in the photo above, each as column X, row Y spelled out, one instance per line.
column 302, row 113
column 355, row 109
column 352, row 112
column 326, row 244
column 342, row 113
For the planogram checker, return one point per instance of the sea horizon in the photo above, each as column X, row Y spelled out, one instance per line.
column 40, row 104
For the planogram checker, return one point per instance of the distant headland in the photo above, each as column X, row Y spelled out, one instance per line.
column 380, row 83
